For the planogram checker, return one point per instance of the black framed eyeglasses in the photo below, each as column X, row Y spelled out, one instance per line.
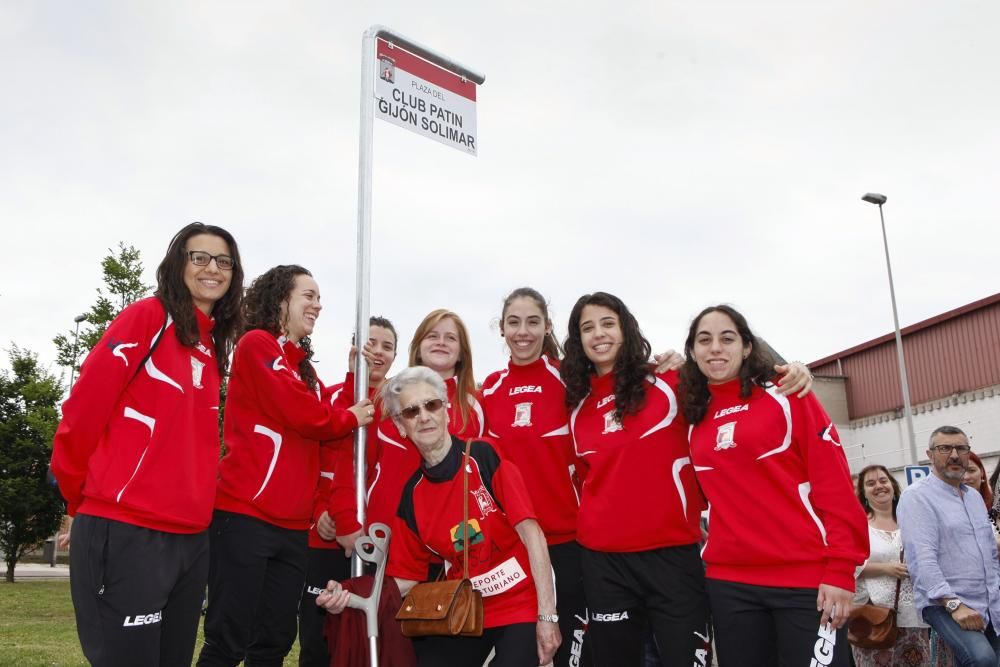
column 412, row 411
column 202, row 258
column 948, row 449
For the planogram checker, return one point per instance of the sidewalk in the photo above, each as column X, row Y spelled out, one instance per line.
column 34, row 571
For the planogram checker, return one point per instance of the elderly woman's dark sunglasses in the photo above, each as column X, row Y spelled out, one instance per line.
column 412, row 411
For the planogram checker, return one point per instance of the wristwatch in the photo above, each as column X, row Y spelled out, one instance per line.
column 549, row 618
column 952, row 605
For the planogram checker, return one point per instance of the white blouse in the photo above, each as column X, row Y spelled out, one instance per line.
column 885, row 546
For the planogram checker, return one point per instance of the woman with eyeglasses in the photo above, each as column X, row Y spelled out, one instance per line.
column 441, row 343
column 327, row 559
column 136, row 455
column 785, row 534
column 276, row 417
column 507, row 558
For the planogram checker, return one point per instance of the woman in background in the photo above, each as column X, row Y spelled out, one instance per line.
column 327, row 559
column 975, row 476
column 878, row 492
column 441, row 342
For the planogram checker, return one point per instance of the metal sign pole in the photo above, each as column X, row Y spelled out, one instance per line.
column 365, row 221
column 363, row 279
column 363, row 267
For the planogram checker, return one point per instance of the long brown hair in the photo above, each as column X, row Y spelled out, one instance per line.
column 463, row 368
column 756, row 370
column 176, row 297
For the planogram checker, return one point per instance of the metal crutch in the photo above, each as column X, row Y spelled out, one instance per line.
column 372, row 548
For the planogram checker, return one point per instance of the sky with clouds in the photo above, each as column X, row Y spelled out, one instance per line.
column 676, row 154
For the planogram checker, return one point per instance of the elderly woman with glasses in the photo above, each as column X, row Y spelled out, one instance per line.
column 508, row 559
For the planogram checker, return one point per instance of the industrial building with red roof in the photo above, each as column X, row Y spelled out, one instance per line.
column 953, row 369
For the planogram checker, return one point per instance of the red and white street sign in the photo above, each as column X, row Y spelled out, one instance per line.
column 423, row 98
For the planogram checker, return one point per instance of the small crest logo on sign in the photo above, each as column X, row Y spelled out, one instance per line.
column 387, row 69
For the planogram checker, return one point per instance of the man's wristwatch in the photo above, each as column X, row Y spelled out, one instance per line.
column 952, row 605
column 549, row 618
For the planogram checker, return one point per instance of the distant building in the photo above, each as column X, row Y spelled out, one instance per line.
column 953, row 368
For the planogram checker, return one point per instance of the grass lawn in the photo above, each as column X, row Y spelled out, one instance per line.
column 37, row 626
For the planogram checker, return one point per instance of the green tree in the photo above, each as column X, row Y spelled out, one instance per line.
column 122, row 277
column 30, row 507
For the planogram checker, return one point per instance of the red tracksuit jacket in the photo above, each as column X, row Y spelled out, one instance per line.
column 525, row 408
column 328, row 454
column 429, row 524
column 143, row 447
column 337, row 463
column 639, row 489
column 782, row 510
column 273, row 428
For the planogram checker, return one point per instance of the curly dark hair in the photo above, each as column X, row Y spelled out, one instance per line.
column 631, row 366
column 860, row 489
column 262, row 310
column 757, row 368
column 177, row 301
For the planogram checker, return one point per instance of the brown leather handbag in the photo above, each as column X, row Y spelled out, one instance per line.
column 450, row 608
column 874, row 627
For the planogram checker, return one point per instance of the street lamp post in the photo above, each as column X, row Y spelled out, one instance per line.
column 76, row 338
column 879, row 199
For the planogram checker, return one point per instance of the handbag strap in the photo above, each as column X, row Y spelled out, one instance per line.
column 895, row 604
column 465, row 510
